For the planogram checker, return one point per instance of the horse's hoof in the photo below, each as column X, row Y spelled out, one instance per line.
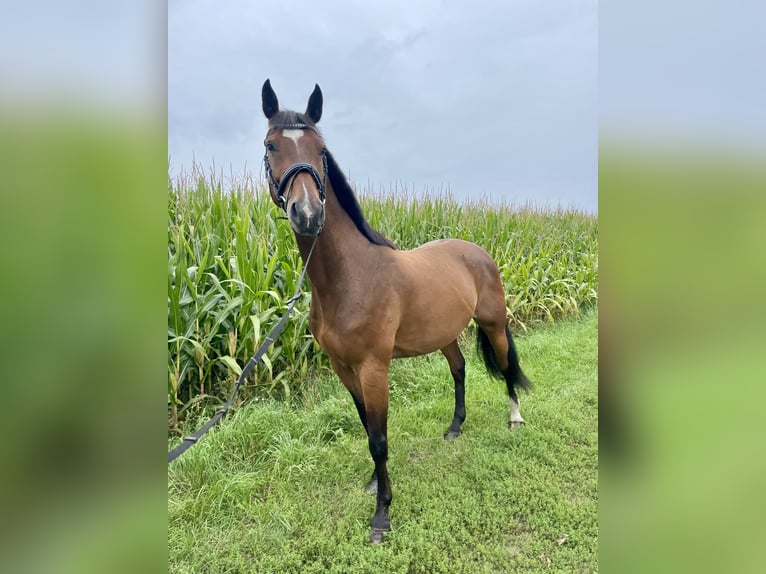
column 515, row 424
column 451, row 435
column 372, row 487
column 376, row 536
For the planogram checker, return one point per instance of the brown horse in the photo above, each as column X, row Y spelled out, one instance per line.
column 371, row 302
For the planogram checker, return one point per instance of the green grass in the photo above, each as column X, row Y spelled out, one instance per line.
column 278, row 488
column 232, row 265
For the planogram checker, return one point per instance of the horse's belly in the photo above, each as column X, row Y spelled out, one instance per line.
column 429, row 334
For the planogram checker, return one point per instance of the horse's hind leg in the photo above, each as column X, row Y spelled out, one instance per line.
column 501, row 359
column 514, row 377
column 457, row 368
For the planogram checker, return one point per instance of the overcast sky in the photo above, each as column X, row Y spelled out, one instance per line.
column 493, row 99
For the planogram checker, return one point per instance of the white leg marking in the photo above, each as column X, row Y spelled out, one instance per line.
column 294, row 135
column 515, row 414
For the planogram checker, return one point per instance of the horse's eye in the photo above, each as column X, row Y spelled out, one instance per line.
column 270, row 147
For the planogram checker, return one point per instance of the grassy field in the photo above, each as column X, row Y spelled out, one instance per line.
column 279, row 487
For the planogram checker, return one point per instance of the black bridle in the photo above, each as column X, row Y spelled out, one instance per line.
column 292, row 171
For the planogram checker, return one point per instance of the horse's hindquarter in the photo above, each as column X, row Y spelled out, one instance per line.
column 445, row 280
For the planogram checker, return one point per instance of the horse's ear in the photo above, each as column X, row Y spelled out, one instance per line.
column 269, row 100
column 314, row 109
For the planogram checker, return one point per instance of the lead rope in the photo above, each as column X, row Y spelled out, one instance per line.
column 270, row 338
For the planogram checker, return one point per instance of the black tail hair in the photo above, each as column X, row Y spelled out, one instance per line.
column 514, row 378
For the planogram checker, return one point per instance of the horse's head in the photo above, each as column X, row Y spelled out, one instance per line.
column 296, row 161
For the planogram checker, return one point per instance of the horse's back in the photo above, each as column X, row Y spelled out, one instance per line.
column 452, row 245
column 454, row 256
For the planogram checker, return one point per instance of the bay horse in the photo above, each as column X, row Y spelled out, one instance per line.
column 371, row 302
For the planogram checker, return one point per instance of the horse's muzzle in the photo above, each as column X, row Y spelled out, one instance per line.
column 306, row 219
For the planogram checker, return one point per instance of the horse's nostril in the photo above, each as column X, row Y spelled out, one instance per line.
column 293, row 210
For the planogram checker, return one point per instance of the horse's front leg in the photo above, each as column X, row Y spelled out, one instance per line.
column 351, row 382
column 373, row 376
column 372, row 486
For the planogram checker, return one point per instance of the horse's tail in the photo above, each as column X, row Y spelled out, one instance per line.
column 513, row 376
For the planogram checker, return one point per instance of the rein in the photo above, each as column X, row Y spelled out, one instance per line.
column 270, row 338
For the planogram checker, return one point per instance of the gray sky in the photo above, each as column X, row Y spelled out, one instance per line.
column 493, row 99
column 684, row 71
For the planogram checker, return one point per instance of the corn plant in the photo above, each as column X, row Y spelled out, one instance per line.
column 232, row 265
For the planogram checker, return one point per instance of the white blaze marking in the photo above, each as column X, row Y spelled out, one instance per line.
column 306, row 204
column 294, row 135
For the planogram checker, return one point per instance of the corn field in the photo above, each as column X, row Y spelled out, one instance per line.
column 233, row 263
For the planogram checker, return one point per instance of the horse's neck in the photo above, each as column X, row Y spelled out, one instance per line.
column 341, row 253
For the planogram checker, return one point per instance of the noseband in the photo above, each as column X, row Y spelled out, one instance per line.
column 292, row 171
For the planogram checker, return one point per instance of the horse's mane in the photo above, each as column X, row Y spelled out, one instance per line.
column 287, row 119
column 350, row 204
